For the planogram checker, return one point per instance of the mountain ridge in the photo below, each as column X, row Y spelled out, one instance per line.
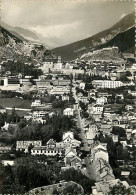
column 78, row 48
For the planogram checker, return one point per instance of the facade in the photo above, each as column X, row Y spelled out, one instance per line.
column 60, row 90
column 101, row 100
column 106, row 84
column 47, row 151
column 82, row 85
column 37, row 103
column 24, row 145
column 95, row 108
column 5, row 149
column 68, row 112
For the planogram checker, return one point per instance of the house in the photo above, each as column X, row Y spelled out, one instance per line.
column 24, row 145
column 106, row 128
column 65, row 98
column 2, row 110
column 115, row 138
column 92, row 93
column 69, row 154
column 5, row 127
column 106, row 84
column 37, row 103
column 91, row 133
column 76, row 162
column 125, row 174
column 5, row 149
column 129, row 107
column 82, row 85
column 44, row 85
column 38, row 114
column 60, row 90
column 84, row 99
column 8, row 162
column 51, row 143
column 47, row 151
column 97, row 148
column 101, row 100
column 95, row 108
column 69, row 141
column 68, row 134
column 68, row 112
column 103, row 187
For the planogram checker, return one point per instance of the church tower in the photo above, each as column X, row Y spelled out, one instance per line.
column 59, row 59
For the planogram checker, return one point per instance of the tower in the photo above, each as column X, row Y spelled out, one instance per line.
column 59, row 59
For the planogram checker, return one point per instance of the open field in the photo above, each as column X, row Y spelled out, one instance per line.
column 15, row 102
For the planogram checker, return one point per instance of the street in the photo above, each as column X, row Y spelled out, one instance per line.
column 89, row 169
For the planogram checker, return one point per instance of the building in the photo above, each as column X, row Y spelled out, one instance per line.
column 37, row 103
column 47, row 151
column 100, row 163
column 103, row 187
column 38, row 114
column 5, row 149
column 2, row 109
column 91, row 133
column 24, row 145
column 65, row 98
column 82, row 85
column 95, row 108
column 68, row 112
column 106, row 84
column 9, row 84
column 101, row 100
column 60, row 90
column 7, row 162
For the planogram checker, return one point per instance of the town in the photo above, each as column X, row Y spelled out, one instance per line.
column 68, row 121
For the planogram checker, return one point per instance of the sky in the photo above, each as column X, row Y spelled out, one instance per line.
column 60, row 22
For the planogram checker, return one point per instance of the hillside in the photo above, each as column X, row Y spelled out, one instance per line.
column 109, row 51
column 21, row 33
column 106, row 54
column 112, row 36
column 12, row 46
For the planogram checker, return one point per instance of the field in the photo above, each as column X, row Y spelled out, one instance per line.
column 15, row 102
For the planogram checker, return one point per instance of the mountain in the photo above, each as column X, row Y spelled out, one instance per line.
column 122, row 34
column 21, row 33
column 12, row 46
column 27, row 35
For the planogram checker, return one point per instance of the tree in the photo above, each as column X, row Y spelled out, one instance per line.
column 120, row 189
column 78, row 177
column 118, row 131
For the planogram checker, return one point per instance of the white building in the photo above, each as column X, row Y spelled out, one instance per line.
column 60, row 90
column 68, row 112
column 106, row 84
column 47, row 151
column 82, row 85
column 38, row 114
column 68, row 134
column 100, row 152
column 101, row 100
column 24, row 145
column 95, row 108
column 37, row 103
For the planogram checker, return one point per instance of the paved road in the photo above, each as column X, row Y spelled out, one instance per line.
column 89, row 169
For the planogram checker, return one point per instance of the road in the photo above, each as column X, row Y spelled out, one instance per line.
column 89, row 169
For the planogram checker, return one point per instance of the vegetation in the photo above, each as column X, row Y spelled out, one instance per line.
column 19, row 66
column 120, row 189
column 29, row 172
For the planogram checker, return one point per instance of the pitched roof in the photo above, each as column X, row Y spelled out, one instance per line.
column 51, row 142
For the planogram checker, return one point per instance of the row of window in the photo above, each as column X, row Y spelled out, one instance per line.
column 44, row 151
